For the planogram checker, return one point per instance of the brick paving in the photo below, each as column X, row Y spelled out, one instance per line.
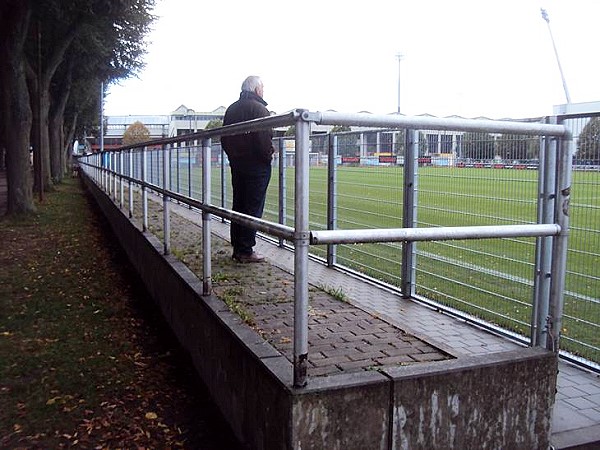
column 342, row 336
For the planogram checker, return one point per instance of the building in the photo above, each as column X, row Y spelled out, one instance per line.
column 180, row 122
column 115, row 127
column 185, row 120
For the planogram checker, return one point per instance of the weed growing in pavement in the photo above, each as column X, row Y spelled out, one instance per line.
column 230, row 297
column 337, row 293
column 222, row 277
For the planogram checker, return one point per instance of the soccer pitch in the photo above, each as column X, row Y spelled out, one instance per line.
column 491, row 279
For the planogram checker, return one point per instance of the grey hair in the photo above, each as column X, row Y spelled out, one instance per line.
column 251, row 83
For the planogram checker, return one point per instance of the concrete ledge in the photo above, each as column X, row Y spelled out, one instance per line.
column 502, row 400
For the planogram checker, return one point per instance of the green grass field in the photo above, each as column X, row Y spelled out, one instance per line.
column 491, row 279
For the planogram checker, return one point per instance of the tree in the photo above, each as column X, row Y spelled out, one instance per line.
column 346, row 142
column 291, row 131
column 476, row 145
column 15, row 111
column 136, row 133
column 517, row 147
column 340, row 128
column 104, row 37
column 214, row 123
column 44, row 44
column 588, row 144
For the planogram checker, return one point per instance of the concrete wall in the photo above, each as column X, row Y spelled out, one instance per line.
column 498, row 401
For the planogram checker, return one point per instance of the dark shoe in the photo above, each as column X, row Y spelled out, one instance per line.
column 251, row 258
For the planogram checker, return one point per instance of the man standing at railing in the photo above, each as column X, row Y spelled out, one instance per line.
column 250, row 156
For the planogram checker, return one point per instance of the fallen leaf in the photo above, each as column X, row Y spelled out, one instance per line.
column 151, row 416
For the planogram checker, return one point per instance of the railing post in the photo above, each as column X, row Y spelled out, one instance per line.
column 560, row 245
column 301, row 244
column 105, row 171
column 409, row 216
column 131, row 173
column 107, row 179
column 223, row 181
column 282, row 186
column 121, row 186
column 206, row 217
column 332, row 153
column 190, row 148
column 166, row 206
column 115, row 176
column 150, row 167
column 178, row 190
column 543, row 258
column 144, row 189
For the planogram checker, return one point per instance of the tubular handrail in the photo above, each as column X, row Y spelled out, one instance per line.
column 301, row 235
column 434, row 123
column 277, row 120
column 430, row 234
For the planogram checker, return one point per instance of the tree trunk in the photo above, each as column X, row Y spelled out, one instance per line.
column 46, row 69
column 16, row 110
column 45, row 137
column 57, row 111
column 35, row 135
column 68, row 143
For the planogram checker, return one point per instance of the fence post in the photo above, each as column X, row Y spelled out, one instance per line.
column 542, row 277
column 206, row 217
column 282, row 185
column 560, row 246
column 301, row 243
column 409, row 213
column 332, row 195
column 166, row 208
column 144, row 189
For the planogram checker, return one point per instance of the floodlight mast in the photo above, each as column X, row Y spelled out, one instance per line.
column 564, row 82
column 399, row 56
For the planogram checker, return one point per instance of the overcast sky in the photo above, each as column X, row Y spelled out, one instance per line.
column 472, row 58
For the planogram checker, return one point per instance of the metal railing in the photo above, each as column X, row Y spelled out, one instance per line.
column 549, row 228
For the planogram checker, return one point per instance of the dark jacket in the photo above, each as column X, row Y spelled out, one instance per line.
column 248, row 147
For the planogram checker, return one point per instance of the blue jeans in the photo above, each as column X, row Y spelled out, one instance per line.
column 250, row 182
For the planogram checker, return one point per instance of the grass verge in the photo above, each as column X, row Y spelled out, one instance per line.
column 85, row 359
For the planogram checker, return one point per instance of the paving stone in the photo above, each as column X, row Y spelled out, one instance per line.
column 393, row 360
column 573, row 392
column 324, row 370
column 423, row 357
column 330, row 361
column 580, row 403
column 592, row 413
column 589, row 388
